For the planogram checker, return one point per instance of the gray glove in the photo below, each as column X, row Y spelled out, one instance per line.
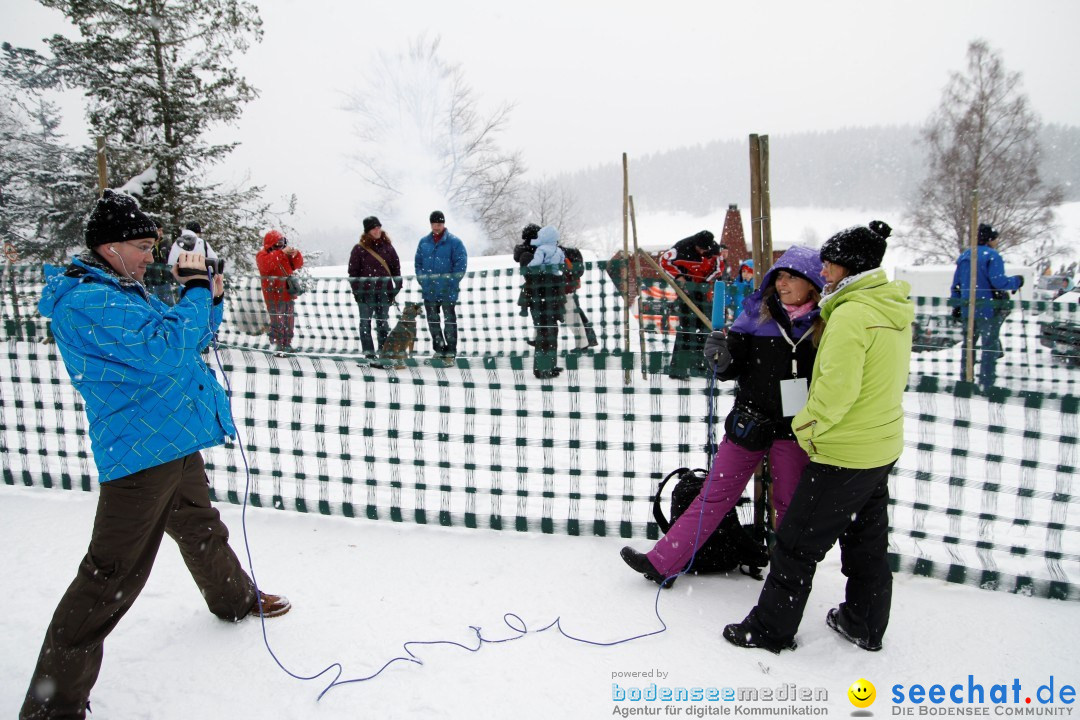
column 716, row 351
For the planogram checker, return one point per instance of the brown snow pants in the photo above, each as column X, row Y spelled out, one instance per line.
column 133, row 513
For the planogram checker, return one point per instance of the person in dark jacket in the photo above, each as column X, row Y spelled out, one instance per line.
column 376, row 280
column 546, row 273
column 769, row 352
column 523, row 255
column 441, row 261
column 991, row 301
column 852, row 427
column 577, row 322
column 694, row 263
column 152, row 405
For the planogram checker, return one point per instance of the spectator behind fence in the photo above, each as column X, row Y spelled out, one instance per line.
column 573, row 314
column 523, row 255
column 441, row 262
column 740, row 289
column 546, row 279
column 853, row 430
column 769, row 352
column 277, row 261
column 693, row 262
column 375, row 272
column 191, row 241
column 992, row 303
column 152, row 405
column 158, row 280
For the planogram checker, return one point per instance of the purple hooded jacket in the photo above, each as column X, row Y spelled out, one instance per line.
column 760, row 356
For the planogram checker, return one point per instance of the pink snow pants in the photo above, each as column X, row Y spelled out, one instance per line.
column 731, row 470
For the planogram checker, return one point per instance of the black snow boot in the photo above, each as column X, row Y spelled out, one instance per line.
column 745, row 636
column 640, row 562
column 835, row 620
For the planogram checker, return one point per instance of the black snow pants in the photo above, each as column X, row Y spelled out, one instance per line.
column 831, row 503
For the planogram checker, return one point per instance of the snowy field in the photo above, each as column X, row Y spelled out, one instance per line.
column 360, row 590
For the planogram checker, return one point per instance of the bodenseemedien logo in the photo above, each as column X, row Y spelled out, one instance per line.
column 862, row 693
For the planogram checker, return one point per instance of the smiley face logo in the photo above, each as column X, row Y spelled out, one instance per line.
column 862, row 693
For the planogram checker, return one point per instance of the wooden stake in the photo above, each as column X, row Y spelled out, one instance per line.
column 755, row 207
column 102, row 168
column 765, row 206
column 626, row 255
column 969, row 359
column 637, row 288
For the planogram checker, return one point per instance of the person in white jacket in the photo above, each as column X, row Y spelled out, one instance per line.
column 190, row 240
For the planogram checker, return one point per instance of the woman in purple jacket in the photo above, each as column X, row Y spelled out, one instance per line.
column 376, row 280
column 770, row 352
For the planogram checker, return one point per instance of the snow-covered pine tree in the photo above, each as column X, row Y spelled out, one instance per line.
column 43, row 194
column 158, row 76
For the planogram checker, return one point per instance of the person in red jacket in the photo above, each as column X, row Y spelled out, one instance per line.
column 694, row 263
column 277, row 261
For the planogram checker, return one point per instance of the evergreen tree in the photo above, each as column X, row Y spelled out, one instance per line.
column 43, row 196
column 983, row 136
column 157, row 77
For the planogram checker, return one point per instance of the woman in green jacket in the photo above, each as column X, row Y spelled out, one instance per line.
column 852, row 427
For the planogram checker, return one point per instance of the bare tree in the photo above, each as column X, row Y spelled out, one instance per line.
column 983, row 136
column 551, row 202
column 425, row 140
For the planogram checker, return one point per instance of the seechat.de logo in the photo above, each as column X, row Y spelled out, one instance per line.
column 862, row 693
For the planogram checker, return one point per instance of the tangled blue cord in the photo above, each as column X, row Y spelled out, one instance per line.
column 513, row 621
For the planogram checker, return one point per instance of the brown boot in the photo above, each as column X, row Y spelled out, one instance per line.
column 270, row 605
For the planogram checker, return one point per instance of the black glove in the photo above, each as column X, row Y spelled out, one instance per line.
column 1021, row 281
column 716, row 351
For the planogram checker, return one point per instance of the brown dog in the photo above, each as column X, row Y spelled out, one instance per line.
column 399, row 343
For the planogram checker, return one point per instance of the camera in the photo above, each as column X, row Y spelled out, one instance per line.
column 214, row 265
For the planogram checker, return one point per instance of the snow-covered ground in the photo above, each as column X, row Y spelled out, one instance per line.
column 361, row 589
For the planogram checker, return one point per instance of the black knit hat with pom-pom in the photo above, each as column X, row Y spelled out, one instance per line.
column 858, row 248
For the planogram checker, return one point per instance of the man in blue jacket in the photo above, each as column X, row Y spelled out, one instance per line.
column 991, row 301
column 152, row 405
column 440, row 264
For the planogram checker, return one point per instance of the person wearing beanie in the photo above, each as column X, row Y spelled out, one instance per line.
column 440, row 263
column 523, row 255
column 375, row 277
column 190, row 240
column 992, row 304
column 276, row 262
column 152, row 405
column 694, row 263
column 739, row 290
column 768, row 351
column 545, row 271
column 852, row 429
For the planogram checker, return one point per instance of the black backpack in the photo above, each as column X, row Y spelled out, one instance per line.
column 730, row 546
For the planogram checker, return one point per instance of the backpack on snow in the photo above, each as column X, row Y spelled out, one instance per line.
column 730, row 546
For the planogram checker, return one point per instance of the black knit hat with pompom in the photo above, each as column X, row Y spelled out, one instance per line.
column 858, row 248
column 116, row 218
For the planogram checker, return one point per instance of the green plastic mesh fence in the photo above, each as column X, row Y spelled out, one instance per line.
column 982, row 494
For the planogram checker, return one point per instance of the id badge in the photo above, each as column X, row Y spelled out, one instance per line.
column 793, row 395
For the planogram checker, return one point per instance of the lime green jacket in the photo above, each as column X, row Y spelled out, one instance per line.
column 854, row 417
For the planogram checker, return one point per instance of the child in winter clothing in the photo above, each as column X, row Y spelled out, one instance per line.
column 772, row 343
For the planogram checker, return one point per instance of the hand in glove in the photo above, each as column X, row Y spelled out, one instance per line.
column 716, row 351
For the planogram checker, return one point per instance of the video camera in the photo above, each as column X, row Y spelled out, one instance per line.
column 214, row 265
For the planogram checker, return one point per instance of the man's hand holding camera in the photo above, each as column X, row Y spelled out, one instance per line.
column 193, row 266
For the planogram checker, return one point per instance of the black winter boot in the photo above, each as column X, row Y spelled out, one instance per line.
column 640, row 562
column 743, row 635
column 835, row 620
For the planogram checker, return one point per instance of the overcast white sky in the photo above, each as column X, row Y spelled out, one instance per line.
column 592, row 79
